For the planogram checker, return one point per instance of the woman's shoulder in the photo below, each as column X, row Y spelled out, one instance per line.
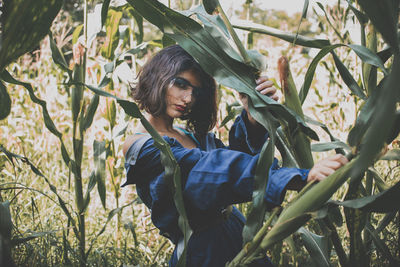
column 129, row 142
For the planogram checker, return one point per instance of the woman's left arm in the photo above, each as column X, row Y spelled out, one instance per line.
column 246, row 134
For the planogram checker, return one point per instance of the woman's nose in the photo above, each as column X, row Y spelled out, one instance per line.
column 187, row 96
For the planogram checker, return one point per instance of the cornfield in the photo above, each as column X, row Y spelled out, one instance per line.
column 65, row 72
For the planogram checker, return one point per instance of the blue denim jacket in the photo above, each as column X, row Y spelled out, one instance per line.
column 214, row 177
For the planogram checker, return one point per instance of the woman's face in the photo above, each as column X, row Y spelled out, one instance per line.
column 181, row 94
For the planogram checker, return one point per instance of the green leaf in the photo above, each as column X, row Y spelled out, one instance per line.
column 24, row 24
column 90, row 186
column 5, row 102
column 76, row 34
column 104, row 11
column 395, row 129
column 77, row 91
column 130, row 108
column 367, row 56
column 216, row 27
column 99, row 156
column 311, row 200
column 386, row 201
column 393, row 154
column 382, row 119
column 210, row 5
column 317, row 247
column 255, row 217
column 303, row 16
column 112, row 34
column 311, row 70
column 361, row 17
column 139, row 22
column 380, row 244
column 167, row 41
column 347, row 77
column 5, row 234
column 57, row 55
column 379, row 182
column 289, row 37
column 5, row 220
column 91, row 111
column 5, row 76
column 21, row 240
column 321, row 147
column 383, row 15
column 111, row 214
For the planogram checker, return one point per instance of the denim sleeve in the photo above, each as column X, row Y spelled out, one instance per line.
column 279, row 177
column 242, row 139
column 212, row 179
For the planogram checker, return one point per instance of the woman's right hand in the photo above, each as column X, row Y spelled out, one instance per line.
column 326, row 167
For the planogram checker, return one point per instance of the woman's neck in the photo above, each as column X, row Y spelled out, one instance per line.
column 161, row 124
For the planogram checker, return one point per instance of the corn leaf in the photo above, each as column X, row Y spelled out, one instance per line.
column 384, row 15
column 256, row 214
column 90, row 186
column 311, row 200
column 317, row 247
column 76, row 34
column 91, row 111
column 368, row 56
column 393, row 154
column 210, row 5
column 57, row 55
column 24, row 24
column 104, row 11
column 5, row 76
column 139, row 22
column 5, row 234
column 99, row 157
column 345, row 74
column 382, row 119
column 381, row 246
column 303, row 16
column 21, row 240
column 361, row 17
column 386, row 201
column 321, row 147
column 5, row 102
column 5, row 220
column 112, row 34
column 379, row 182
column 289, row 37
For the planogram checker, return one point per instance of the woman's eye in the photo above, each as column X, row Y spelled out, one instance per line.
column 181, row 84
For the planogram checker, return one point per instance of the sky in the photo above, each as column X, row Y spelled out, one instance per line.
column 290, row 6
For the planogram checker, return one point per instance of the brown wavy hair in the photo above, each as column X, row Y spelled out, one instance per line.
column 155, row 77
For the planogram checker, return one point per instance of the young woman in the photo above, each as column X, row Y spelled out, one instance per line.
column 173, row 85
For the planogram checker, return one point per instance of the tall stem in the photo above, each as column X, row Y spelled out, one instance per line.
column 251, row 247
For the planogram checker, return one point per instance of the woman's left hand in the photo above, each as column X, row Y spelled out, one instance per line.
column 265, row 87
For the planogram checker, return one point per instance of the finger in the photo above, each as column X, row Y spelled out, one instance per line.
column 266, row 84
column 326, row 171
column 333, row 164
column 261, row 79
column 315, row 177
column 275, row 97
column 268, row 91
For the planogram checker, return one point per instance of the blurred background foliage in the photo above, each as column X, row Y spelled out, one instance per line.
column 61, row 200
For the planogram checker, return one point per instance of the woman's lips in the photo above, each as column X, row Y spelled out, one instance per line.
column 180, row 108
